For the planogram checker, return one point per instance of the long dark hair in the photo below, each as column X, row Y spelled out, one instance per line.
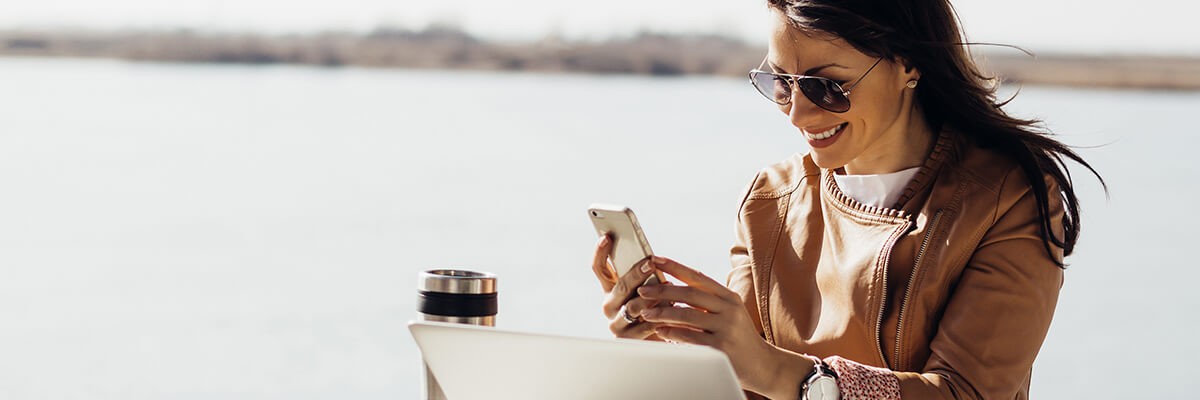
column 925, row 34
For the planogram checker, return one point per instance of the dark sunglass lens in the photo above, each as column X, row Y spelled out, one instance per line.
column 825, row 93
column 773, row 87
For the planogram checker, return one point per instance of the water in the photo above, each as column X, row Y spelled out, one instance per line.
column 178, row 231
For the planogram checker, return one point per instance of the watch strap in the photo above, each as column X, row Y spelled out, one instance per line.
column 820, row 368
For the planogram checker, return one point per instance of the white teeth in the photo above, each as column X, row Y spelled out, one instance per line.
column 824, row 135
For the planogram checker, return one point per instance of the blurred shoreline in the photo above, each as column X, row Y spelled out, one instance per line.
column 438, row 47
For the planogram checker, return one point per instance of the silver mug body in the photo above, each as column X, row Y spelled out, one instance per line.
column 454, row 296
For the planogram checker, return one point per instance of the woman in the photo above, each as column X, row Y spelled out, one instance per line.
column 915, row 251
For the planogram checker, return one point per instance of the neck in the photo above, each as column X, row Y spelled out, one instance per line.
column 904, row 145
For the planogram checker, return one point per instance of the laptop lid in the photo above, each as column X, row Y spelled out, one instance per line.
column 474, row 362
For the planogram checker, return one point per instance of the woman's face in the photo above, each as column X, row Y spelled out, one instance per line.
column 873, row 136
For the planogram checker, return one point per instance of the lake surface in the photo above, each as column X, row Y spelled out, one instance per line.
column 233, row 232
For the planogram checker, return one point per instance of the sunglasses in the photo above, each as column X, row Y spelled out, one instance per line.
column 824, row 92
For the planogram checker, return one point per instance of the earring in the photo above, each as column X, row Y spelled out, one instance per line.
column 912, row 84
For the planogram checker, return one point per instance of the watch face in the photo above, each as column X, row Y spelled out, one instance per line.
column 823, row 388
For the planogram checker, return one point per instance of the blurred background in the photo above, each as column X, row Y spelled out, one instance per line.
column 220, row 199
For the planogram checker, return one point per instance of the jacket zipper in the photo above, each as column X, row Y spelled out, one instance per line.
column 912, row 280
column 887, row 256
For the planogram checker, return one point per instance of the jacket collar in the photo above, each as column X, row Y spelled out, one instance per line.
column 942, row 148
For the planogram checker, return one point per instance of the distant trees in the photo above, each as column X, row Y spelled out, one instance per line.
column 447, row 47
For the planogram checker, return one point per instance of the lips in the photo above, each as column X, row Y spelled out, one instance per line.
column 826, row 137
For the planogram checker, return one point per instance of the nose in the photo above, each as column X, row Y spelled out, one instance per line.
column 802, row 111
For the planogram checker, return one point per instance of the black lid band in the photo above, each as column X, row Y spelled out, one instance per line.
column 456, row 305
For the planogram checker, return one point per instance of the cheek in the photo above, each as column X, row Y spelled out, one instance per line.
column 874, row 114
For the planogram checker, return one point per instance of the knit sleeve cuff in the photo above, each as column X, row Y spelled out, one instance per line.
column 862, row 382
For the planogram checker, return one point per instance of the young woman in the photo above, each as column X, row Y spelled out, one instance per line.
column 914, row 252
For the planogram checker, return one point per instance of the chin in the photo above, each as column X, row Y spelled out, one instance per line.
column 828, row 161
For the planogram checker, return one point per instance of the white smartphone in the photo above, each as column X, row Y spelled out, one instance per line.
column 630, row 247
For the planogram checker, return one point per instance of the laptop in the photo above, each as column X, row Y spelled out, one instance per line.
column 474, row 362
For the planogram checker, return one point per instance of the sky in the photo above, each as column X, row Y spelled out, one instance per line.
column 1093, row 26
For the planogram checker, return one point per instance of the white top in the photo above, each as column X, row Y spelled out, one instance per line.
column 876, row 190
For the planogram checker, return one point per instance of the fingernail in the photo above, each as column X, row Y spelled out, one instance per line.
column 659, row 260
column 643, row 291
column 604, row 240
column 646, row 267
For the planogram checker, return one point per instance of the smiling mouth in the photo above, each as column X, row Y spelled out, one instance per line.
column 831, row 132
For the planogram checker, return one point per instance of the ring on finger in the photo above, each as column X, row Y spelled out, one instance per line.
column 629, row 318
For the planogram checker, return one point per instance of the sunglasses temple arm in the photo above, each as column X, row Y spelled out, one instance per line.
column 864, row 75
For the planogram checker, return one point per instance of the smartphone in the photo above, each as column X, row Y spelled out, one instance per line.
column 630, row 247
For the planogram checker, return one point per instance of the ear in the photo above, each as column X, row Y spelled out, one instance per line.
column 908, row 70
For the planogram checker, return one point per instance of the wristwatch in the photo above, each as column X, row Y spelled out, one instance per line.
column 821, row 383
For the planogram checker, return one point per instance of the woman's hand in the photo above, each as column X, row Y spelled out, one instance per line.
column 620, row 292
column 715, row 317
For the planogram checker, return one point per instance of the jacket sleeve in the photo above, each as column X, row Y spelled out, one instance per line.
column 741, row 277
column 999, row 311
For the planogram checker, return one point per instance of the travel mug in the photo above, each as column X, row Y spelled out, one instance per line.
column 454, row 296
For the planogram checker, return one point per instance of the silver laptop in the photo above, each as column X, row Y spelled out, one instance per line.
column 473, row 362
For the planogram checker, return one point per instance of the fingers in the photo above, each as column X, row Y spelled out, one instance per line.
column 686, row 316
column 639, row 330
column 685, row 335
column 623, row 290
column 600, row 265
column 684, row 294
column 694, row 278
column 637, row 305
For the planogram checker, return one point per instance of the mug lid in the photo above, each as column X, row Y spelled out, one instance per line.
column 458, row 281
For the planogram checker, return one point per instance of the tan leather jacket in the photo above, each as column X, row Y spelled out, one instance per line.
column 952, row 289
